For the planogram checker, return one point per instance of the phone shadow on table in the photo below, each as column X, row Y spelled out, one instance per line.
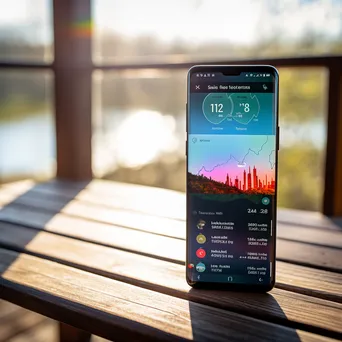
column 238, row 316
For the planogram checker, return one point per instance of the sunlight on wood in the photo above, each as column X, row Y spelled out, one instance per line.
column 111, row 297
column 123, row 238
column 10, row 192
column 130, row 219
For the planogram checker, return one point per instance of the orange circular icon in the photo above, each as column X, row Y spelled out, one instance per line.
column 201, row 253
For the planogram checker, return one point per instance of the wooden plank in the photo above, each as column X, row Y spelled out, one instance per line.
column 130, row 197
column 123, row 218
column 159, row 246
column 302, row 279
column 110, row 235
column 309, row 219
column 116, row 195
column 308, row 255
column 309, row 281
column 326, row 237
column 122, row 312
column 169, row 278
column 120, row 195
column 305, row 280
column 154, row 224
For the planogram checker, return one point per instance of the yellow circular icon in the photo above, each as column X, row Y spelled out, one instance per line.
column 201, row 238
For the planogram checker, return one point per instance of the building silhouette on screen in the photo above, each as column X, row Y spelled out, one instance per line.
column 250, row 181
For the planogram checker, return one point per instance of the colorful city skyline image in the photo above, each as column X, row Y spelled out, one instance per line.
column 231, row 164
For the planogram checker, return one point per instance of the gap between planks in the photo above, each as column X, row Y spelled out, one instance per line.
column 79, row 298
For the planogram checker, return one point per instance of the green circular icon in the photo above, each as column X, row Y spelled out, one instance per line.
column 265, row 201
column 201, row 238
column 217, row 107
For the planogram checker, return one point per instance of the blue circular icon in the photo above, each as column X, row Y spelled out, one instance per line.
column 265, row 201
column 200, row 267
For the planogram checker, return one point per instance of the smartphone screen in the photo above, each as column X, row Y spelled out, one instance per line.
column 232, row 149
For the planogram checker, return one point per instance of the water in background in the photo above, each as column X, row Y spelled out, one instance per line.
column 129, row 139
column 27, row 147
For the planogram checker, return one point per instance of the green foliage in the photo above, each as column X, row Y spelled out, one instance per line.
column 300, row 177
column 302, row 94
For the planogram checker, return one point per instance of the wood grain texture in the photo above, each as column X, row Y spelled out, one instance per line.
column 320, row 237
column 133, row 197
column 159, row 246
column 306, row 280
column 148, row 222
column 309, row 219
column 123, row 218
column 110, row 235
column 315, row 256
column 168, row 278
column 120, row 311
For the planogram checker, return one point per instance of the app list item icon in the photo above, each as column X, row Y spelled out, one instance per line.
column 200, row 238
column 201, row 253
column 265, row 201
column 200, row 224
column 200, row 267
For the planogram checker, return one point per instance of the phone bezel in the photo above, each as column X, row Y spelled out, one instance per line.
column 236, row 69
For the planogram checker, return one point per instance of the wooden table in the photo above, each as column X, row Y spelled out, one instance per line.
column 108, row 258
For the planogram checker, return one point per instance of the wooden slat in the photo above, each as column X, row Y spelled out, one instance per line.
column 120, row 311
column 133, row 197
column 169, row 278
column 108, row 193
column 305, row 280
column 123, row 218
column 110, row 235
column 159, row 246
column 116, row 195
column 309, row 281
column 304, row 254
column 120, row 195
column 326, row 237
column 309, row 219
column 153, row 224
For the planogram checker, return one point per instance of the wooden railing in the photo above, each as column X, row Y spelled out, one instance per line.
column 73, row 69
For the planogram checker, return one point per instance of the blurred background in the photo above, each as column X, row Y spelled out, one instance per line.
column 139, row 114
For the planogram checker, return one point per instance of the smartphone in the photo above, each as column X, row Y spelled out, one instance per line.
column 232, row 153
